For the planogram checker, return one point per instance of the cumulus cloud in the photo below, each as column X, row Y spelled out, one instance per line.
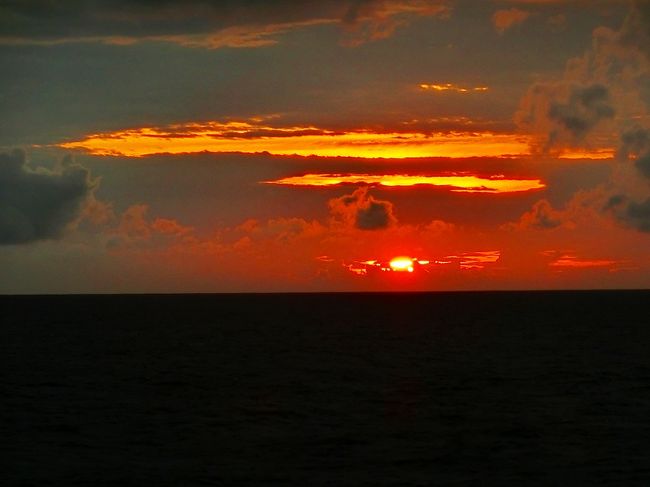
column 599, row 92
column 38, row 203
column 632, row 213
column 585, row 107
column 507, row 18
column 564, row 114
column 630, row 202
column 135, row 227
column 635, row 144
column 638, row 215
column 602, row 100
column 586, row 208
column 542, row 216
column 362, row 211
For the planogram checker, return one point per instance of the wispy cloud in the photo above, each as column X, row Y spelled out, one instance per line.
column 442, row 87
column 210, row 25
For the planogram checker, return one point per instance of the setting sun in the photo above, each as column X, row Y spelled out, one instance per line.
column 402, row 264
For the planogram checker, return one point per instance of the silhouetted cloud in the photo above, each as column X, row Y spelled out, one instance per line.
column 37, row 203
column 636, row 142
column 362, row 211
column 638, row 215
column 542, row 216
column 628, row 204
column 634, row 214
column 585, row 107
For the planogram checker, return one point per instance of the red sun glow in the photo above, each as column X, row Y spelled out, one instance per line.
column 402, row 264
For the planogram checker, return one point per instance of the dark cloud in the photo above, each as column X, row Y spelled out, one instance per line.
column 585, row 107
column 542, row 216
column 635, row 146
column 614, row 201
column 638, row 215
column 632, row 213
column 564, row 113
column 359, row 210
column 241, row 23
column 643, row 164
column 636, row 142
column 377, row 214
column 36, row 203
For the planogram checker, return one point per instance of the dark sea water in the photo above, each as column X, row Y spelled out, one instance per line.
column 326, row 389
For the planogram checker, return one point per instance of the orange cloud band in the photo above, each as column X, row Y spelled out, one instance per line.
column 451, row 87
column 456, row 183
column 254, row 137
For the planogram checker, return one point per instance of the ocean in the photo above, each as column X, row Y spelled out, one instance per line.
column 473, row 388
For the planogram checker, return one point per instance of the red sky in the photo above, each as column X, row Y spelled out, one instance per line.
column 497, row 145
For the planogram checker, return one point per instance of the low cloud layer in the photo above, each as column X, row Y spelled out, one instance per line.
column 37, row 203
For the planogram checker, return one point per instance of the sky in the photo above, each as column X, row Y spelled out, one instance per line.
column 336, row 145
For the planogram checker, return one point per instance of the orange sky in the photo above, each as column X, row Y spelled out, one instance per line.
column 215, row 151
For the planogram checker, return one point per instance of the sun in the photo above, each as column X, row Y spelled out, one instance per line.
column 402, row 264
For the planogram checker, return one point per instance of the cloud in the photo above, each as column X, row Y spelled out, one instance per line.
column 635, row 142
column 463, row 183
column 38, row 203
column 630, row 201
column 280, row 230
column 507, row 18
column 572, row 261
column 255, row 136
column 637, row 215
column 197, row 23
column 361, row 211
column 167, row 226
column 542, row 216
column 599, row 93
column 245, row 36
column 564, row 114
column 133, row 223
column 442, row 87
column 585, row 209
column 584, row 109
column 368, row 20
column 134, row 227
column 602, row 100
